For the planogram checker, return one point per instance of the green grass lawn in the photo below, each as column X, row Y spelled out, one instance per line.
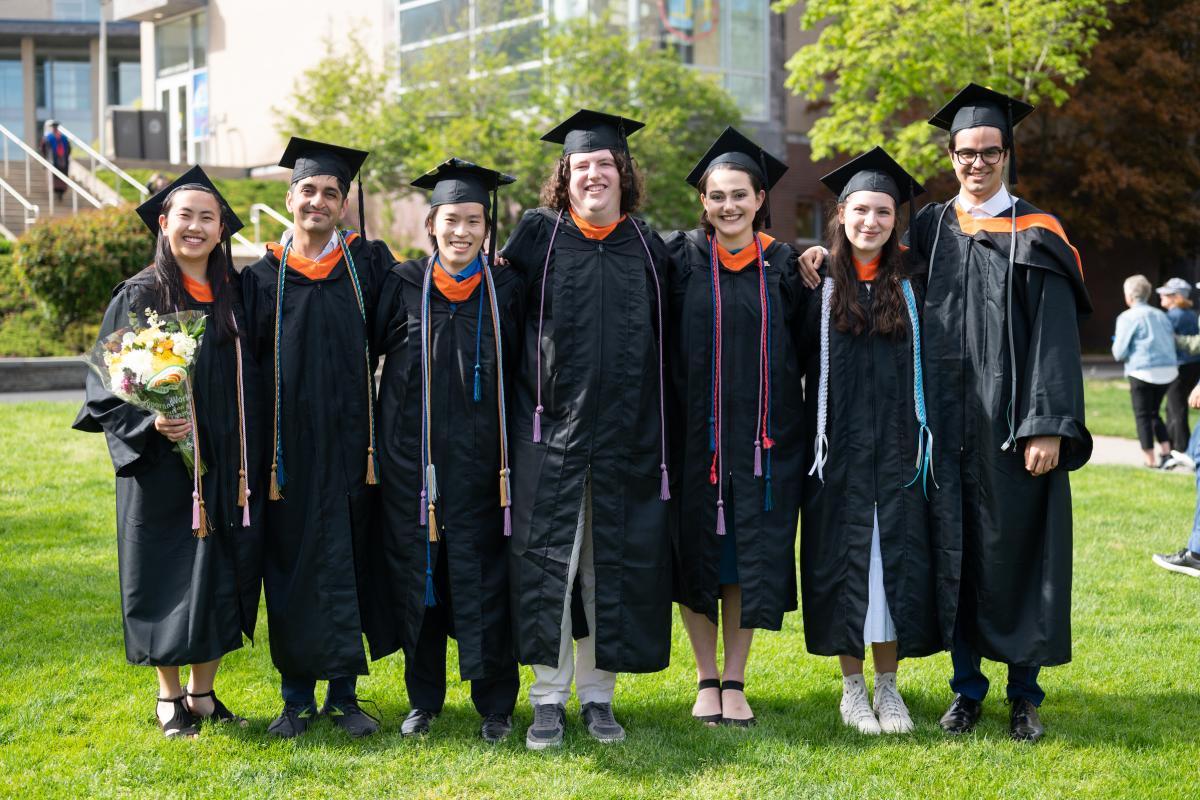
column 75, row 720
column 1109, row 412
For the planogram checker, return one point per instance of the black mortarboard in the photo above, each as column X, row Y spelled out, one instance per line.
column 306, row 158
column 975, row 106
column 459, row 181
column 150, row 210
column 586, row 131
column 873, row 171
column 732, row 147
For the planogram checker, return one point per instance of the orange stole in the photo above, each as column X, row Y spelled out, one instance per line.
column 200, row 292
column 452, row 290
column 313, row 270
column 594, row 231
column 868, row 271
column 972, row 225
column 736, row 262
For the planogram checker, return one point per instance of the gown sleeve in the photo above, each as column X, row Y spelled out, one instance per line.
column 522, row 248
column 133, row 442
column 1051, row 399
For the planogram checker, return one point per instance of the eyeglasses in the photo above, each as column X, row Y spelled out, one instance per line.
column 990, row 156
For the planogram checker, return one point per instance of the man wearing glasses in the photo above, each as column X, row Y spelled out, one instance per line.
column 1005, row 393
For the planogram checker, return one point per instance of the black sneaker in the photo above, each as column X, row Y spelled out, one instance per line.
column 601, row 724
column 549, row 724
column 1184, row 562
column 349, row 717
column 417, row 722
column 292, row 721
column 496, row 728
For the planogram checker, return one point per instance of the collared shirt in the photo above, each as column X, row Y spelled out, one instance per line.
column 332, row 243
column 998, row 203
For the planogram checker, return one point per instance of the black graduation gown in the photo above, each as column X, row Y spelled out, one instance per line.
column 319, row 543
column 184, row 600
column 1004, row 536
column 600, row 389
column 465, row 443
column 766, row 540
column 872, row 430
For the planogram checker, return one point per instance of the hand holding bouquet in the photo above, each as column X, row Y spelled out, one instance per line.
column 147, row 365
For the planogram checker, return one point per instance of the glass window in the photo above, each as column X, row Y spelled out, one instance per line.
column 12, row 111
column 521, row 43
column 64, row 92
column 124, row 83
column 171, row 46
column 808, row 221
column 431, row 20
column 199, row 40
column 748, row 30
column 750, row 91
column 77, row 10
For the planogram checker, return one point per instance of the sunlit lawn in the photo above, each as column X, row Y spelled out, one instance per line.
column 75, row 719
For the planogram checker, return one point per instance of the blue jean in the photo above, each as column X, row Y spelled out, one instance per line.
column 1194, row 451
column 970, row 682
column 302, row 692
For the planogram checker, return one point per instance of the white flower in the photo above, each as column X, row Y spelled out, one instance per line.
column 127, row 339
column 138, row 362
column 184, row 346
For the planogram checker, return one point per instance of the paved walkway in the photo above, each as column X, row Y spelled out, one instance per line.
column 73, row 395
column 1120, row 451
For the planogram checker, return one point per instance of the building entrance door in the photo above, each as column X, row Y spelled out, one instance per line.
column 174, row 98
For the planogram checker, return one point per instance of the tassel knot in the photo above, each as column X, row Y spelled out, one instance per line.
column 537, row 423
column 720, row 518
column 371, row 479
column 664, row 489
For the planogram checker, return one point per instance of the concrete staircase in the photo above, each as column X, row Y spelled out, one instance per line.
column 13, row 216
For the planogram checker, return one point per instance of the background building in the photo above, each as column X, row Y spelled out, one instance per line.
column 50, row 66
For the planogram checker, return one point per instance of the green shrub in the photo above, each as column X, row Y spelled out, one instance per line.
column 71, row 264
column 26, row 331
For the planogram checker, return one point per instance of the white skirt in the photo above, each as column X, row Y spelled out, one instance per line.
column 878, row 625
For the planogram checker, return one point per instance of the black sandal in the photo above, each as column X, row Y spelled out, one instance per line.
column 736, row 686
column 181, row 724
column 708, row 719
column 219, row 713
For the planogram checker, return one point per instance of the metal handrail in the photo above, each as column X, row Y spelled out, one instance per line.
column 104, row 162
column 51, row 170
column 237, row 237
column 31, row 209
column 256, row 212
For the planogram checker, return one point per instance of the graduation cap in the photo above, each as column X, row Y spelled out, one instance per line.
column 459, row 181
column 587, row 131
column 975, row 106
column 873, row 171
column 733, row 147
column 195, row 177
column 307, row 158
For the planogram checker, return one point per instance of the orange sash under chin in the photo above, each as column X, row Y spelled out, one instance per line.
column 594, row 231
column 736, row 262
column 200, row 292
column 313, row 270
column 868, row 271
column 452, row 290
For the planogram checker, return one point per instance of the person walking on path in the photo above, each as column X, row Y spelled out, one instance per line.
column 1145, row 342
column 56, row 149
column 1175, row 296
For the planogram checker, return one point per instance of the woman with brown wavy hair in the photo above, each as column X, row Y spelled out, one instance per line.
column 866, row 560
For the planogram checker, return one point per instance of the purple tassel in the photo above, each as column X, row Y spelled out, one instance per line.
column 245, row 511
column 664, row 490
column 720, row 518
column 758, row 459
column 508, row 520
column 196, row 508
column 424, row 514
column 537, row 424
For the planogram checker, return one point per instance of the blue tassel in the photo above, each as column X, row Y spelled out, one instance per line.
column 712, row 434
column 430, row 600
column 768, row 499
column 478, row 385
column 280, row 475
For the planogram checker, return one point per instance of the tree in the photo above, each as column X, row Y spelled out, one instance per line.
column 881, row 69
column 1120, row 157
column 493, row 114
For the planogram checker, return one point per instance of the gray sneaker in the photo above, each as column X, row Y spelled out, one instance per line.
column 1184, row 562
column 601, row 724
column 549, row 724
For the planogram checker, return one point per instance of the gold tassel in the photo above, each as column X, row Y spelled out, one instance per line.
column 274, row 494
column 202, row 531
column 503, row 488
column 241, row 488
column 371, row 479
column 433, row 528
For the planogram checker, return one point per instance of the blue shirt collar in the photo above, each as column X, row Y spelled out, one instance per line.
column 471, row 270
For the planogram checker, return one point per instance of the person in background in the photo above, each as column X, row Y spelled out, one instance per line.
column 57, row 150
column 1175, row 296
column 1145, row 342
column 1186, row 560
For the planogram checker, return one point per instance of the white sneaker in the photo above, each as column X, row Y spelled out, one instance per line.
column 1183, row 460
column 889, row 705
column 856, row 710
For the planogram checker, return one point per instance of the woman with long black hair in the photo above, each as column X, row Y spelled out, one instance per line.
column 188, row 594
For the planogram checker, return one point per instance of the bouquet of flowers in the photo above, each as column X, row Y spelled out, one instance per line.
column 147, row 365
